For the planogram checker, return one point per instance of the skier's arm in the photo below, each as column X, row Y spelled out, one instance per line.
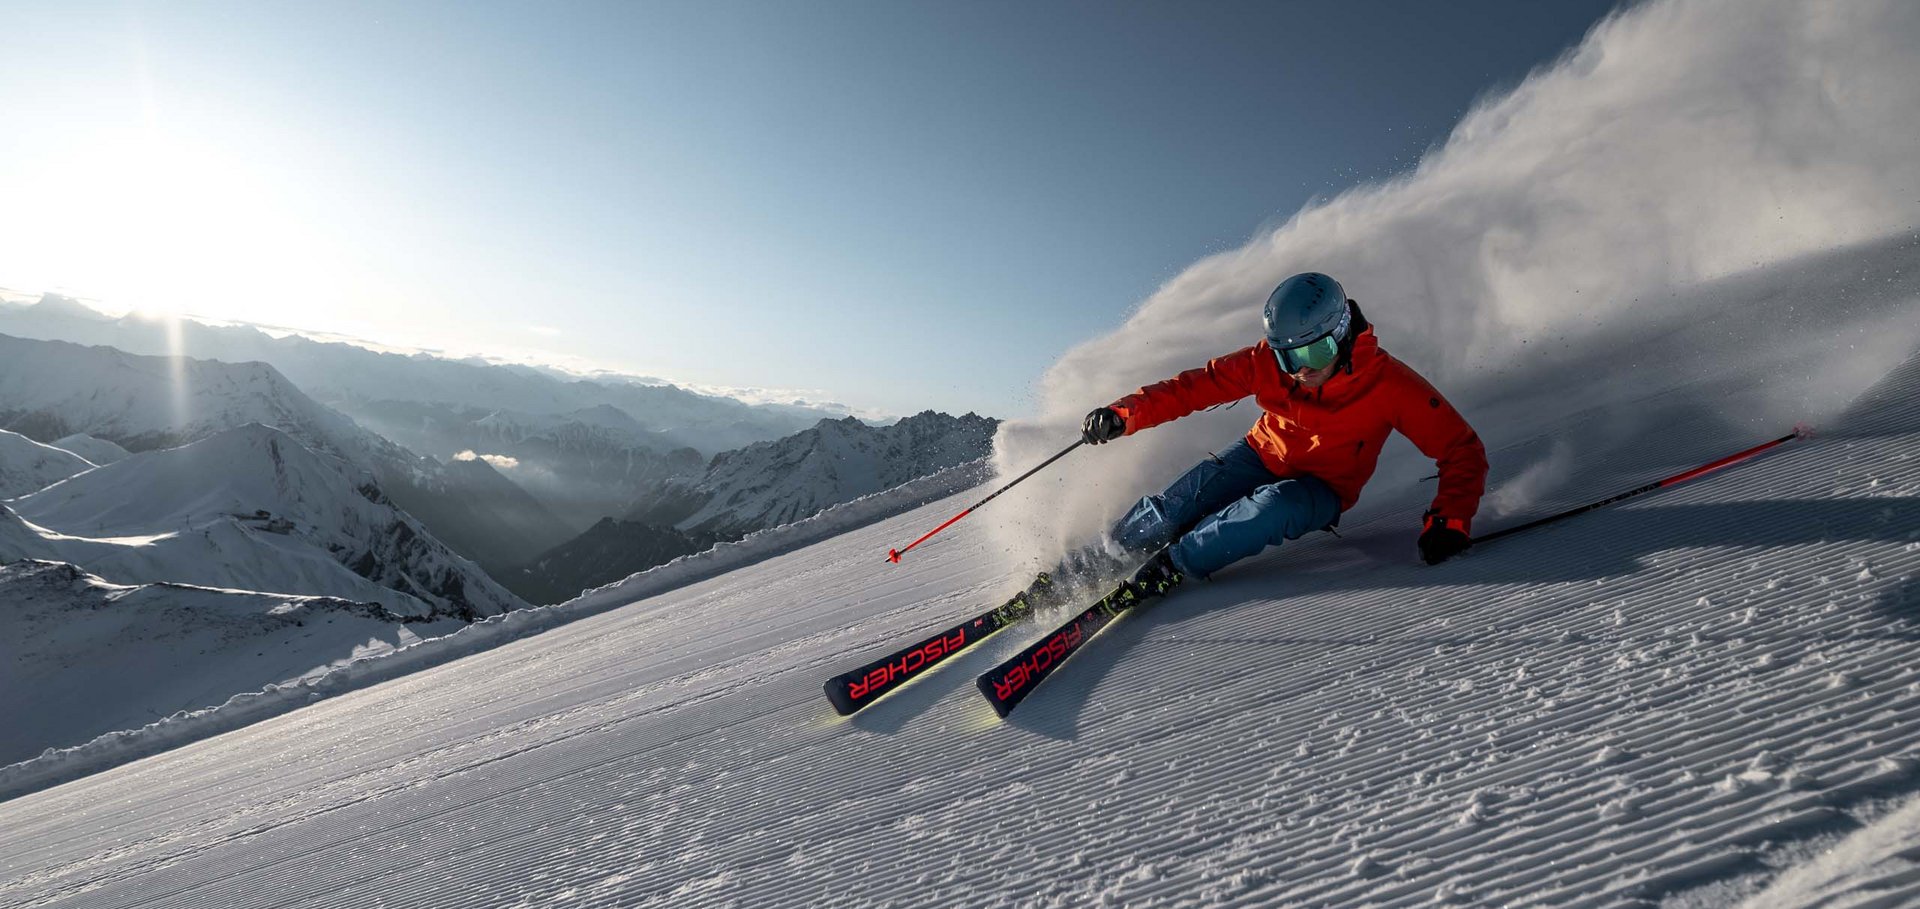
column 1223, row 379
column 1425, row 417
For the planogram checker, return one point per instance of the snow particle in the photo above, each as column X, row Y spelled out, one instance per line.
column 1624, row 808
column 1611, row 754
column 1367, row 866
column 1479, row 810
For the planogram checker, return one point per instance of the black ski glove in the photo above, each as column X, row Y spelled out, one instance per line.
column 1102, row 426
column 1443, row 539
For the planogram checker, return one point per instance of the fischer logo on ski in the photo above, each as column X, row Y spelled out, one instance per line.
column 915, row 660
column 1054, row 649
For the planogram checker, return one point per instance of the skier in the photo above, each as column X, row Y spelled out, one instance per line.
column 1329, row 397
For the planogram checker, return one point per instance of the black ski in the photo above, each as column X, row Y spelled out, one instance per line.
column 1010, row 682
column 850, row 691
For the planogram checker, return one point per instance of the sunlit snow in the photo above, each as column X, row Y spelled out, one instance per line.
column 1654, row 253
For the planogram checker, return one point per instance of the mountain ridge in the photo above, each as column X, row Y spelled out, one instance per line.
column 29, row 466
column 350, row 377
column 771, row 483
column 762, row 486
column 251, row 509
column 54, row 389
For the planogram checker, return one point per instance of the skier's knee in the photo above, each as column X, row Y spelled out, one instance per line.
column 1287, row 495
column 1145, row 525
column 1293, row 508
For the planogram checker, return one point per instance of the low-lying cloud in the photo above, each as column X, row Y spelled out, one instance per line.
column 1673, row 170
column 499, row 462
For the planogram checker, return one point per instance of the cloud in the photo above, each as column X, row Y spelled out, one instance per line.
column 499, row 462
column 1682, row 145
column 807, row 398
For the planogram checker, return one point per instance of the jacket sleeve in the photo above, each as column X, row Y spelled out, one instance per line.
column 1425, row 417
column 1223, row 379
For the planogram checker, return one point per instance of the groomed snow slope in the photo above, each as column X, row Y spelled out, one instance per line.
column 1670, row 698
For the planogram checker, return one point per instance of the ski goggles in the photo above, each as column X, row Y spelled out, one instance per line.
column 1311, row 355
column 1318, row 353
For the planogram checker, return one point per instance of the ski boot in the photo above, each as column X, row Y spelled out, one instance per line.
column 1157, row 577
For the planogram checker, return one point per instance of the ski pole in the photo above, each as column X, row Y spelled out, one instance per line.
column 893, row 555
column 1799, row 432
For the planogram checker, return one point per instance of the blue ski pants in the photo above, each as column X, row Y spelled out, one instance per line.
column 1224, row 509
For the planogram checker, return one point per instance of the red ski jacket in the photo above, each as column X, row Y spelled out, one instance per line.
column 1333, row 432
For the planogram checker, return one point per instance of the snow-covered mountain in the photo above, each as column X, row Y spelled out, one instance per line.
column 80, row 656
column 454, row 427
column 249, row 509
column 97, row 451
column 53, row 389
column 584, row 465
column 50, row 390
column 773, row 483
column 28, row 466
column 355, row 379
column 477, row 511
column 761, row 486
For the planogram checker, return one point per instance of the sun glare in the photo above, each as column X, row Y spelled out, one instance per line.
column 165, row 226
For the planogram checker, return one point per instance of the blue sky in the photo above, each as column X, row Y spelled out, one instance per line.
column 895, row 206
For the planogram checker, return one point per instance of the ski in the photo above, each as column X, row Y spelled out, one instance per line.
column 852, row 690
column 1010, row 682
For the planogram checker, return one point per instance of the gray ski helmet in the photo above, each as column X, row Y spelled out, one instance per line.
column 1306, row 319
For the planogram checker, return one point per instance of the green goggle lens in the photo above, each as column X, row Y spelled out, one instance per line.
column 1314, row 355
